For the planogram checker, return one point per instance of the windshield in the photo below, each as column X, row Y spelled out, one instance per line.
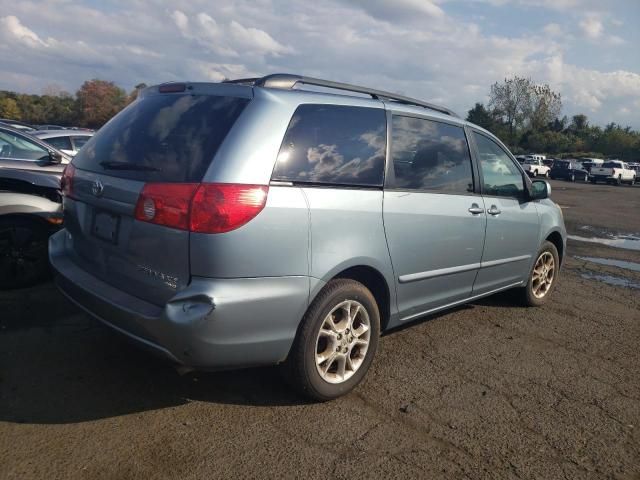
column 162, row 138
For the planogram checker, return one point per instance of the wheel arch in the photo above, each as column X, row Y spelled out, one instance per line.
column 372, row 278
column 556, row 238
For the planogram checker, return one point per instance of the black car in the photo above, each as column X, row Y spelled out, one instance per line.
column 22, row 151
column 30, row 211
column 568, row 169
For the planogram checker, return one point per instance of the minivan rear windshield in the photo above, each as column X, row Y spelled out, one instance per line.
column 162, row 138
column 611, row 165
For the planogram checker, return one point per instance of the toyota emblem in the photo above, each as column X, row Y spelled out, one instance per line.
column 97, row 188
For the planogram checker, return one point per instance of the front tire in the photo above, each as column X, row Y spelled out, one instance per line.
column 542, row 277
column 336, row 341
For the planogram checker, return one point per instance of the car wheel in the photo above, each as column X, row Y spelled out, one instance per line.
column 572, row 178
column 619, row 180
column 23, row 252
column 586, row 178
column 535, row 173
column 546, row 174
column 542, row 277
column 336, row 341
column 593, row 180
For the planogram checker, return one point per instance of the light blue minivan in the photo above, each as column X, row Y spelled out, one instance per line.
column 291, row 220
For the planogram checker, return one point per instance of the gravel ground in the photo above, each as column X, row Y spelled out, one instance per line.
column 489, row 390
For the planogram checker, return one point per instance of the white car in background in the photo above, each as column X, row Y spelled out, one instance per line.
column 613, row 171
column 534, row 166
column 68, row 141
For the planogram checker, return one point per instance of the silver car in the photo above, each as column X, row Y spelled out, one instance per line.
column 262, row 221
column 67, row 140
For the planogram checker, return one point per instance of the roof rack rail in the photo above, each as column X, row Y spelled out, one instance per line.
column 287, row 81
column 243, row 81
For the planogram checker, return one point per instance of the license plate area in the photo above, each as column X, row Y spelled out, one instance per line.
column 105, row 226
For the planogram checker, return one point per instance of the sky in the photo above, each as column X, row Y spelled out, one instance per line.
column 444, row 51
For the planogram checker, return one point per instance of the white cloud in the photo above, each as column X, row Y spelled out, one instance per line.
column 13, row 29
column 552, row 29
column 592, row 26
column 216, row 72
column 411, row 47
column 227, row 39
column 549, row 4
column 386, row 10
column 591, row 88
column 181, row 21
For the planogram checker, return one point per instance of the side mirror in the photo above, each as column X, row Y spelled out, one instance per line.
column 55, row 157
column 540, row 189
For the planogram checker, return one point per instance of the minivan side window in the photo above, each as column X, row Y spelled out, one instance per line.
column 501, row 177
column 333, row 144
column 429, row 155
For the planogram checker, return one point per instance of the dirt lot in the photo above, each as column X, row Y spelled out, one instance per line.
column 490, row 390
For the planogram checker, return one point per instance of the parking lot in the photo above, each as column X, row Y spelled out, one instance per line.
column 488, row 390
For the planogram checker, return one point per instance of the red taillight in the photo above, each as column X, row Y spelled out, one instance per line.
column 66, row 182
column 166, row 204
column 201, row 208
column 222, row 207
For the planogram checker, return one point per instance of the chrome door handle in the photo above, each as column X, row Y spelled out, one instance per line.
column 475, row 209
column 494, row 210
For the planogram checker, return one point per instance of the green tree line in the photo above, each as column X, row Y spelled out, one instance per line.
column 525, row 115
column 95, row 102
column 527, row 118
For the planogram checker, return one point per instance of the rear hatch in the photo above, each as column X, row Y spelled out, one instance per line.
column 162, row 138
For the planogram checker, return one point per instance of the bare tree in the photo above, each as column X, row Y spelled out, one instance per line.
column 512, row 101
column 546, row 106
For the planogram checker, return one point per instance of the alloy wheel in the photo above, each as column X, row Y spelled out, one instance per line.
column 543, row 274
column 343, row 341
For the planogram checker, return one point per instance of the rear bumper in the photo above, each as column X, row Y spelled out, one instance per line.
column 601, row 178
column 210, row 324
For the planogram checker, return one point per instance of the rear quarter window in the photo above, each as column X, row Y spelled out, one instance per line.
column 333, row 144
column 162, row 138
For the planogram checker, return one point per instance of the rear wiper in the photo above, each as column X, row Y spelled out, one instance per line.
column 107, row 165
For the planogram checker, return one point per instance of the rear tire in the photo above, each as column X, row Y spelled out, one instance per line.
column 542, row 277
column 619, row 180
column 23, row 252
column 336, row 341
column 572, row 178
column 586, row 178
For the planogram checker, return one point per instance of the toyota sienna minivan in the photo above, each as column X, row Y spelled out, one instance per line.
column 290, row 220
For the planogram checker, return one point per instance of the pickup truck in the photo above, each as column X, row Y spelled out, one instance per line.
column 535, row 167
column 613, row 171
